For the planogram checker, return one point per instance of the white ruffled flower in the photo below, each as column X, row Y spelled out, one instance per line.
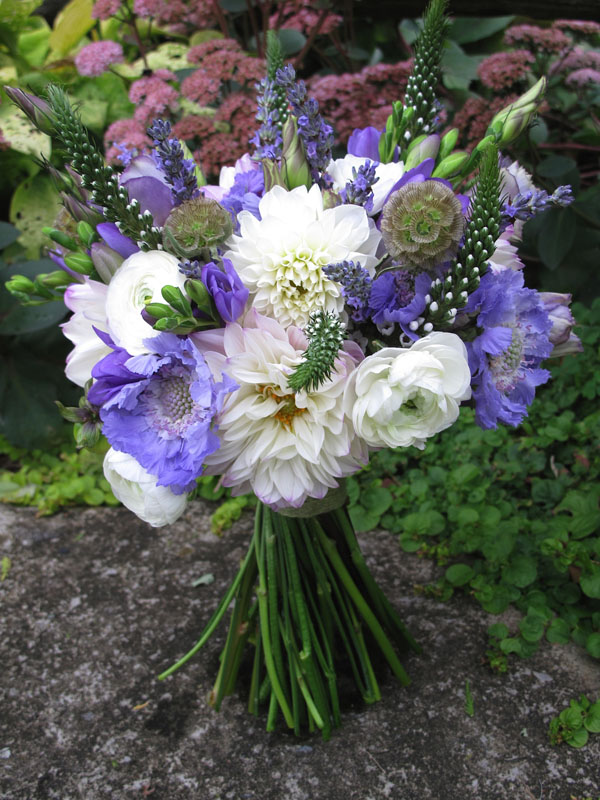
column 282, row 446
column 137, row 490
column 514, row 180
column 398, row 398
column 506, row 254
column 139, row 280
column 88, row 302
column 280, row 257
column 389, row 174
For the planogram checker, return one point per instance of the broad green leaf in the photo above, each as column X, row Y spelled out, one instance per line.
column 292, row 41
column 16, row 319
column 459, row 574
column 458, row 68
column 362, row 519
column 592, row 644
column 590, row 584
column 8, row 234
column 578, row 738
column 558, row 631
column 532, row 628
column 472, row 29
column 34, row 205
column 498, row 630
column 376, row 499
column 557, row 235
column 520, row 572
column 204, row 36
column 424, row 523
column 21, row 133
column 592, row 718
column 14, row 12
column 170, row 55
column 71, row 24
column 33, row 44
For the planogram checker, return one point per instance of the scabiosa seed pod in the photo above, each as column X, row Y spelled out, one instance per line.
column 422, row 224
column 195, row 226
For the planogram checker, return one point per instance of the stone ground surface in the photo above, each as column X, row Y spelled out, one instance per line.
column 96, row 604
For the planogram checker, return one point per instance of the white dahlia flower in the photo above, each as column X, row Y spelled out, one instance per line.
column 398, row 398
column 88, row 302
column 279, row 257
column 388, row 174
column 139, row 280
column 282, row 446
column 137, row 490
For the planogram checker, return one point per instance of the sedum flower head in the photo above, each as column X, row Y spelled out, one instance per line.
column 422, row 224
column 196, row 225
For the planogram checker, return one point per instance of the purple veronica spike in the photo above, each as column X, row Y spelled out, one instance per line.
column 504, row 359
column 160, row 408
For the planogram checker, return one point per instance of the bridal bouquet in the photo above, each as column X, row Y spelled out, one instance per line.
column 278, row 328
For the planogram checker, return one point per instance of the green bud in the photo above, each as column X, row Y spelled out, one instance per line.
column 509, row 123
column 86, row 233
column 106, row 260
column 61, row 238
column 485, row 143
column 416, row 142
column 451, row 165
column 55, row 280
column 294, row 166
column 166, row 324
column 20, row 285
column 71, row 413
column 198, row 292
column 177, row 300
column 87, row 434
column 41, row 291
column 195, row 226
column 423, row 147
column 80, row 262
column 158, row 310
column 448, row 143
column 272, row 174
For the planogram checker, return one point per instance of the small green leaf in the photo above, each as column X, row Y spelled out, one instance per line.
column 459, row 574
column 590, row 584
column 578, row 738
column 498, row 630
column 592, row 645
column 521, row 571
column 5, row 567
column 558, row 632
column 292, row 41
column 592, row 718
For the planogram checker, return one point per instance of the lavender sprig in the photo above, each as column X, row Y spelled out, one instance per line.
column 359, row 190
column 356, row 284
column 180, row 172
column 529, row 204
column 316, row 134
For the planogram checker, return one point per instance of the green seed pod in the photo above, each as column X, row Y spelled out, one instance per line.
column 195, row 226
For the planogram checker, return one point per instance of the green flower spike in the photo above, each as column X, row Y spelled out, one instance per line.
column 422, row 224
column 326, row 334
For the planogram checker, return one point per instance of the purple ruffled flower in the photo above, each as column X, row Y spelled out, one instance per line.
column 226, row 288
column 505, row 358
column 146, row 183
column 398, row 298
column 160, row 408
column 248, row 187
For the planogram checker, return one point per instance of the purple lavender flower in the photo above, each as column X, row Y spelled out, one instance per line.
column 226, row 288
column 526, row 205
column 398, row 297
column 358, row 191
column 317, row 136
column 267, row 138
column 160, row 408
column 356, row 285
column 504, row 359
column 365, row 142
column 180, row 172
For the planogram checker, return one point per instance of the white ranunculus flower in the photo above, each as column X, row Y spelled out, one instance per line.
column 88, row 302
column 138, row 281
column 388, row 174
column 282, row 446
column 398, row 398
column 137, row 490
column 280, row 256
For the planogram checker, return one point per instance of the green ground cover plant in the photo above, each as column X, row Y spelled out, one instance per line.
column 575, row 723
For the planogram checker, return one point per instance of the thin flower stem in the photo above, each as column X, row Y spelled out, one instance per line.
column 298, row 594
column 363, row 608
column 263, row 608
column 215, row 619
column 272, row 592
column 273, row 711
column 254, row 695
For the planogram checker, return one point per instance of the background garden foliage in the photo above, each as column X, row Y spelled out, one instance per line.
column 512, row 516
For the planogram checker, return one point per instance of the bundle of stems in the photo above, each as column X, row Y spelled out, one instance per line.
column 305, row 598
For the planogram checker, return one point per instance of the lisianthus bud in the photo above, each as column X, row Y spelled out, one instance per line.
column 556, row 305
column 272, row 174
column 422, row 223
column 294, row 166
column 509, row 123
column 448, row 143
column 195, row 226
column 427, row 147
column 226, row 288
column 106, row 260
column 34, row 107
column 451, row 165
column 79, row 210
column 80, row 262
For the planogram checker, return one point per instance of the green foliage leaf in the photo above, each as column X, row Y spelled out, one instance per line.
column 34, row 205
column 14, row 12
column 578, row 738
column 558, row 632
column 521, row 571
column 459, row 574
column 362, row 519
column 458, row 68
column 556, row 236
column 590, row 584
column 472, row 29
column 28, row 416
column 71, row 24
column 592, row 644
column 377, row 500
column 592, row 718
column 21, row 133
column 8, row 234
column 16, row 319
column 292, row 41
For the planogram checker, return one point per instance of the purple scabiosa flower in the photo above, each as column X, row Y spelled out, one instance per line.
column 504, row 359
column 398, row 297
column 160, row 408
column 226, row 289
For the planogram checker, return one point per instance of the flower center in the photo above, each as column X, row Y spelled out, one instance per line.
column 506, row 367
column 171, row 407
column 286, row 409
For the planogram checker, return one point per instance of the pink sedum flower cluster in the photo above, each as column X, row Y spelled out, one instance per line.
column 95, row 58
